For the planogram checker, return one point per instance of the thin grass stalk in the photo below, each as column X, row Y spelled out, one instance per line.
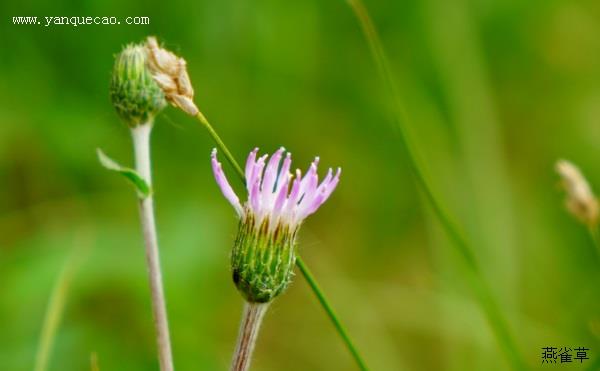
column 94, row 362
column 141, row 144
column 54, row 311
column 483, row 292
column 312, row 282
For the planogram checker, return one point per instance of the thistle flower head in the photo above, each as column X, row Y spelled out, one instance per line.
column 263, row 255
column 170, row 73
column 580, row 200
column 133, row 92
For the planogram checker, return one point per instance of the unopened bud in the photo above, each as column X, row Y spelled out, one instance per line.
column 135, row 95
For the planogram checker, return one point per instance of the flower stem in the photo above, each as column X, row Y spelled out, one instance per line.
column 312, row 282
column 482, row 290
column 141, row 144
column 249, row 327
column 221, row 145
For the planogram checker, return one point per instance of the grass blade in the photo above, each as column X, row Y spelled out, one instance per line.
column 55, row 308
column 482, row 290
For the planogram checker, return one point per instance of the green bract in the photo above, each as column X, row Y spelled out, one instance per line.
column 134, row 93
column 262, row 261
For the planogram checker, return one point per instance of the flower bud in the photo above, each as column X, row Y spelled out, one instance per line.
column 135, row 95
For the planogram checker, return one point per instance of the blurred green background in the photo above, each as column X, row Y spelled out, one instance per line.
column 496, row 91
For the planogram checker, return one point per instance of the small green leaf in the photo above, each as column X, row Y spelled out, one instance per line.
column 136, row 179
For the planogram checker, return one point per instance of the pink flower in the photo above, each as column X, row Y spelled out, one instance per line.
column 274, row 194
column 263, row 255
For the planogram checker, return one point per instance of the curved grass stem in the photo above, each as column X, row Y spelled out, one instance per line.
column 55, row 309
column 299, row 262
column 482, row 290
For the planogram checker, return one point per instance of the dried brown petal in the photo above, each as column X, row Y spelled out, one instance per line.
column 580, row 201
column 170, row 73
column 186, row 104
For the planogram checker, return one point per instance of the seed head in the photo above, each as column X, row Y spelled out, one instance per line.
column 580, row 200
column 133, row 92
column 263, row 255
column 170, row 73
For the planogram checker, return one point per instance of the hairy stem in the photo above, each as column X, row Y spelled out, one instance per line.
column 249, row 327
column 141, row 144
column 312, row 282
column 482, row 290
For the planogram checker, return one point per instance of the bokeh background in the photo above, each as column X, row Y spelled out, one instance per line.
column 496, row 91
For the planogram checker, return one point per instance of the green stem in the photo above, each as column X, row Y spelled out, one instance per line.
column 299, row 262
column 331, row 313
column 482, row 290
column 221, row 145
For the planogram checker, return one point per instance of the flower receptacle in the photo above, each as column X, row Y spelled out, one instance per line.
column 262, row 260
